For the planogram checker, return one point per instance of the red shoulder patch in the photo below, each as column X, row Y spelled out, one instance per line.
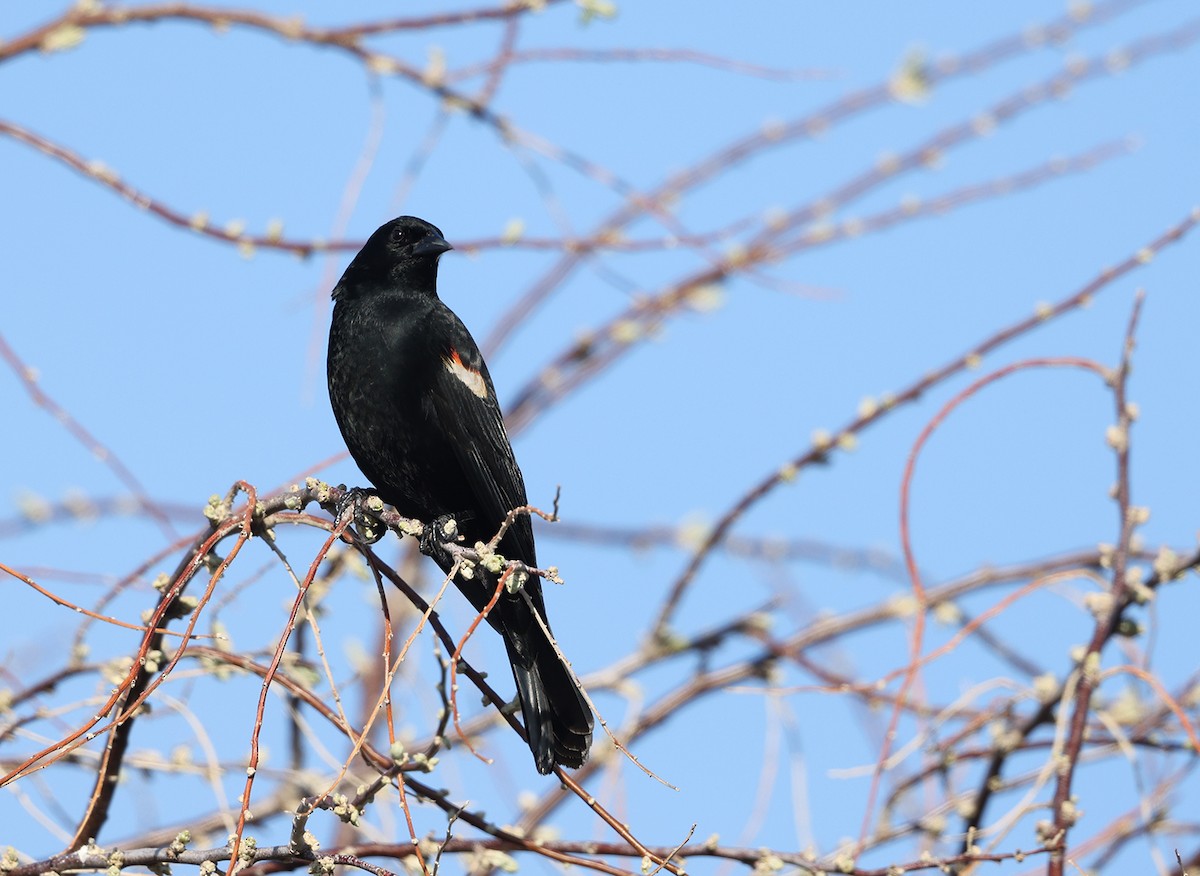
column 469, row 377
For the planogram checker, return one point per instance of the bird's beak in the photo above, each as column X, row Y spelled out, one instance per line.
column 431, row 246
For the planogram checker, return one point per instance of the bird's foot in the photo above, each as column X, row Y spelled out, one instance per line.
column 436, row 533
column 364, row 505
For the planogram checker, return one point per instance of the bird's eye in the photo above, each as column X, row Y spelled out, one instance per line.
column 399, row 234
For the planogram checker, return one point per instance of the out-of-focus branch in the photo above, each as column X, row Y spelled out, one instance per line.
column 870, row 414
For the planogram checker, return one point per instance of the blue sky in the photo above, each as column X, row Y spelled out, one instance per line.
column 198, row 366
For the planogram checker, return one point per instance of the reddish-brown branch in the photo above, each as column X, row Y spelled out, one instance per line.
column 920, row 598
column 1063, row 814
column 142, row 681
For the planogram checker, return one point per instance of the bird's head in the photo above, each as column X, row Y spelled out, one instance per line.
column 403, row 252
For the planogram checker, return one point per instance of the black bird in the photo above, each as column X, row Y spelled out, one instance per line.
column 418, row 412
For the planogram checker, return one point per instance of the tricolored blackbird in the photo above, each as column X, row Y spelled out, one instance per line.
column 418, row 412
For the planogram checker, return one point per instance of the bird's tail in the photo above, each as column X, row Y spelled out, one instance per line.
column 557, row 719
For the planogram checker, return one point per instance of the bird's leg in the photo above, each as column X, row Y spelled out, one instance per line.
column 363, row 504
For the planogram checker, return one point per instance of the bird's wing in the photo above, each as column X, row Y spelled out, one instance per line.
column 464, row 402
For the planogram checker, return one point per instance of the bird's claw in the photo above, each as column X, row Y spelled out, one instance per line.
column 436, row 533
column 360, row 502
